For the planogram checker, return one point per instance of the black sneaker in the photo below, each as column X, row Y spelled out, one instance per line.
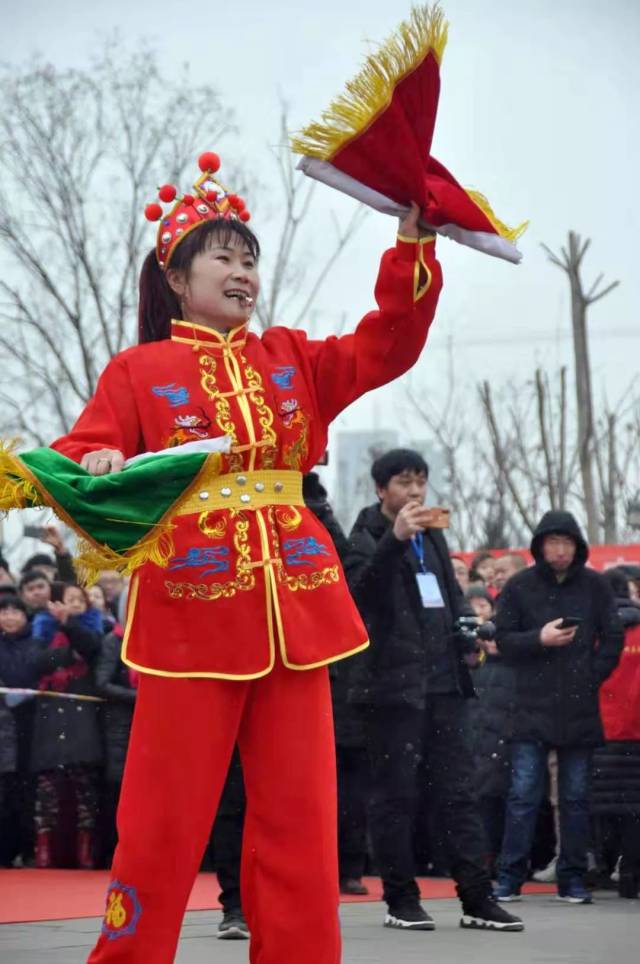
column 233, row 926
column 409, row 916
column 487, row 914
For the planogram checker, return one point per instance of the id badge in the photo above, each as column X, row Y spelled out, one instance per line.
column 429, row 590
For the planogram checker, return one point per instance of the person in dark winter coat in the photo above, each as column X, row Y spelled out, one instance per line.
column 117, row 684
column 491, row 716
column 559, row 667
column 616, row 766
column 8, row 768
column 411, row 685
column 351, row 751
column 22, row 662
column 67, row 743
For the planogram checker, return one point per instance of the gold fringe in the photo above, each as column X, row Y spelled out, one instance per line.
column 17, row 491
column 90, row 560
column 511, row 234
column 368, row 94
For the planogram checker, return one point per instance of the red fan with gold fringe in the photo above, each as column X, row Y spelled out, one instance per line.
column 374, row 141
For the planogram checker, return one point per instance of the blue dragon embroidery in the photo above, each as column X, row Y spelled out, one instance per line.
column 211, row 560
column 283, row 377
column 300, row 552
column 176, row 395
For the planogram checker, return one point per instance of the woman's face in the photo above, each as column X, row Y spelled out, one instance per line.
column 487, row 570
column 222, row 285
column 96, row 597
column 74, row 600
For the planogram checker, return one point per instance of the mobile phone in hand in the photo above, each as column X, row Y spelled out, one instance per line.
column 435, row 518
column 569, row 622
column 34, row 532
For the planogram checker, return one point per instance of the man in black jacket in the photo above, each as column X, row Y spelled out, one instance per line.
column 351, row 752
column 411, row 684
column 558, row 627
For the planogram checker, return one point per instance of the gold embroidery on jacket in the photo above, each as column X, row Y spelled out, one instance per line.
column 289, row 518
column 306, row 580
column 265, row 414
column 245, row 579
column 224, row 421
column 421, row 273
column 216, row 531
column 313, row 580
column 296, row 452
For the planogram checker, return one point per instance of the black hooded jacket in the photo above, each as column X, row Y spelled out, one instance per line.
column 381, row 571
column 557, row 687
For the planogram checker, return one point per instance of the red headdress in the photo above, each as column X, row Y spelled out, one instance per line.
column 209, row 202
column 374, row 141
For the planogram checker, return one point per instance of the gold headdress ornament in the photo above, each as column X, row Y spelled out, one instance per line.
column 209, row 202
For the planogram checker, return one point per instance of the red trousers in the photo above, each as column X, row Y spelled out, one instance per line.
column 182, row 738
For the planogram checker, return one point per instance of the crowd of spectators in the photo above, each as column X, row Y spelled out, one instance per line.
column 66, row 712
column 540, row 718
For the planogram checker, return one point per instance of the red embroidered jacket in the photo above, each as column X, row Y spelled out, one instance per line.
column 270, row 580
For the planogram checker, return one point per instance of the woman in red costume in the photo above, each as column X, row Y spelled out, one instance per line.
column 232, row 638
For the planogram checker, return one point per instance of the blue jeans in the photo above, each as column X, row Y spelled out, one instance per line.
column 528, row 782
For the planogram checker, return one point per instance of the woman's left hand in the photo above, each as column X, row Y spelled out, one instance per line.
column 409, row 223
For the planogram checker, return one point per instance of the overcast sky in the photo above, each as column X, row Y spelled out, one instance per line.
column 539, row 110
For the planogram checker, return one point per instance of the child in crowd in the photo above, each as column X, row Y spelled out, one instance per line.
column 98, row 600
column 23, row 660
column 67, row 744
column 483, row 570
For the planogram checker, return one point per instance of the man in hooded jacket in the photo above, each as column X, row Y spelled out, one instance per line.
column 557, row 625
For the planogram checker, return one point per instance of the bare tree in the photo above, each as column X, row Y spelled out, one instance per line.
column 80, row 151
column 289, row 292
column 527, row 426
column 475, row 484
column 545, row 453
column 516, row 455
column 570, row 261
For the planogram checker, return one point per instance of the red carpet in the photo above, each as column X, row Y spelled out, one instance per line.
column 32, row 895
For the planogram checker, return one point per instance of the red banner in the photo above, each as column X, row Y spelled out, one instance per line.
column 600, row 557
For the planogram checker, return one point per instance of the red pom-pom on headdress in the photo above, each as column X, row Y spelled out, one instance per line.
column 209, row 202
column 209, row 162
column 153, row 212
column 167, row 193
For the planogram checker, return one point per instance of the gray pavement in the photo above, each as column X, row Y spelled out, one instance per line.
column 608, row 932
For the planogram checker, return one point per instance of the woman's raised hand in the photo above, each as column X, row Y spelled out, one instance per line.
column 103, row 461
column 409, row 223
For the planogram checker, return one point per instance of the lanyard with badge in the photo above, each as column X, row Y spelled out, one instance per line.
column 427, row 582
